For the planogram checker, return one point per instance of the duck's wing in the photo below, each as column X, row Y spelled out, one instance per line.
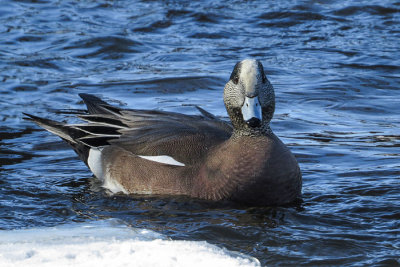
column 185, row 138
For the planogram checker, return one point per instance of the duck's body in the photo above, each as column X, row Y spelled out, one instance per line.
column 155, row 152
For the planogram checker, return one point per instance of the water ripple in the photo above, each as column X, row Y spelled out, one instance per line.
column 335, row 69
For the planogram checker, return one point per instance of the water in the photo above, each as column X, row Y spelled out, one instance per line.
column 335, row 66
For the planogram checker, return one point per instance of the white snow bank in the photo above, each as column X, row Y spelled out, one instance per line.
column 109, row 243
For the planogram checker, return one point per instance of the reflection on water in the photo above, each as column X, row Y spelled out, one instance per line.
column 335, row 69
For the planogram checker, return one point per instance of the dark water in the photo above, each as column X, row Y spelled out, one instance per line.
column 335, row 66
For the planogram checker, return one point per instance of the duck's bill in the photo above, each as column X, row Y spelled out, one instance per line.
column 251, row 111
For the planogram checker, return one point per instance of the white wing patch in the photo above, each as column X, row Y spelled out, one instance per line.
column 163, row 159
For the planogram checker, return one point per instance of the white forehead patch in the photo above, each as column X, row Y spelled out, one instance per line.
column 248, row 74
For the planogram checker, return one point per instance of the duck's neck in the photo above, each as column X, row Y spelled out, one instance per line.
column 264, row 130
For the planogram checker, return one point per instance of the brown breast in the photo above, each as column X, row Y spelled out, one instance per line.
column 252, row 170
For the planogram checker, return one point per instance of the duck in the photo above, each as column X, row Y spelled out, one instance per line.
column 154, row 152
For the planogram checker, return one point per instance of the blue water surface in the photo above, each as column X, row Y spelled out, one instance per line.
column 335, row 66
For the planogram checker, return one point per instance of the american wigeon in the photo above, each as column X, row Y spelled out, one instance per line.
column 201, row 156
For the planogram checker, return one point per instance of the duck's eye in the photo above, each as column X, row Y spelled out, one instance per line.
column 235, row 80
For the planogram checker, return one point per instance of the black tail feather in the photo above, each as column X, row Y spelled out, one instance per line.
column 102, row 119
column 69, row 134
column 97, row 106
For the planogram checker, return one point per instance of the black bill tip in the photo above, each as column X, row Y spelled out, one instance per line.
column 254, row 122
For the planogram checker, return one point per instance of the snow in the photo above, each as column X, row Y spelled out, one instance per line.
column 109, row 243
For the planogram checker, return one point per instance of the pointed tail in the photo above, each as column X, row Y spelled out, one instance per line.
column 69, row 134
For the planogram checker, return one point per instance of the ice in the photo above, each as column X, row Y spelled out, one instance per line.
column 109, row 243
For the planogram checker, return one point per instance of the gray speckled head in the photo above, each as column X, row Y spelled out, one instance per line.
column 247, row 89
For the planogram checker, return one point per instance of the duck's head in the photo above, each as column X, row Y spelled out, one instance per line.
column 249, row 98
